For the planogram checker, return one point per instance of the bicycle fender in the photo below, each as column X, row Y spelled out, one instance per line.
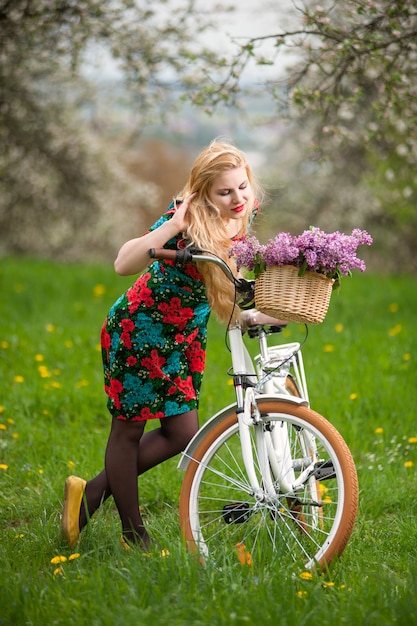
column 218, row 417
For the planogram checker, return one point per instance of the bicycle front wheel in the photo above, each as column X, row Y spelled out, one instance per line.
column 311, row 525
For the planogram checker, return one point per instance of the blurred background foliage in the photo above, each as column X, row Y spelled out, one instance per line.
column 104, row 105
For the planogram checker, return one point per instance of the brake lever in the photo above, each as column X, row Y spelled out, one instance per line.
column 246, row 290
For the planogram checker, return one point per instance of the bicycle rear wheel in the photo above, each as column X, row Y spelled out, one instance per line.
column 219, row 511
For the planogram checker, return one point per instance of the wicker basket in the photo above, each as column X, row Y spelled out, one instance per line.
column 281, row 293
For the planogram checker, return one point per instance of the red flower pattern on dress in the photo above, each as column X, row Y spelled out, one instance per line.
column 139, row 294
column 154, row 364
column 127, row 325
column 131, row 360
column 196, row 357
column 185, row 386
column 105, row 340
column 174, row 313
column 146, row 414
column 113, row 391
column 192, row 336
column 191, row 270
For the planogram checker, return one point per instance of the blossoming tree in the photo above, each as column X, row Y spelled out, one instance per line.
column 350, row 86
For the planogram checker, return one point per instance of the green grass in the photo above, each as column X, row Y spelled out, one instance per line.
column 53, row 422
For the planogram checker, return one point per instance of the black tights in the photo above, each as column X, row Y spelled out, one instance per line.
column 130, row 453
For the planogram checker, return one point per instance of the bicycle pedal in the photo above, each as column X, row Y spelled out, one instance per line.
column 324, row 470
column 236, row 513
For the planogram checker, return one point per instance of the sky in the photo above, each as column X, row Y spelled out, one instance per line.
column 250, row 18
column 253, row 17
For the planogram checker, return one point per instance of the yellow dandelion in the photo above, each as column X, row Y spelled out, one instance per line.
column 230, row 382
column 50, row 328
column 73, row 556
column 393, row 308
column 55, row 384
column 301, row 593
column 58, row 570
column 39, row 357
column 58, row 559
column 407, row 356
column 353, row 396
column 412, row 440
column 68, row 344
column 328, row 348
column 9, row 420
column 71, row 465
column 408, row 464
column 339, row 328
column 379, row 431
column 20, row 536
column 18, row 379
column 323, row 489
column 44, row 371
column 327, row 500
column 1, row 408
column 395, row 330
column 3, row 466
column 82, row 383
column 328, row 584
column 4, row 344
column 40, row 471
column 98, row 347
column 15, row 435
column 99, row 290
column 306, row 575
column 3, row 427
column 45, row 412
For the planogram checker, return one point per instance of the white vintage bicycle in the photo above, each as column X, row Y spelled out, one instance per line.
column 266, row 477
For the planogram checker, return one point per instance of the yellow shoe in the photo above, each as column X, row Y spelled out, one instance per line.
column 124, row 544
column 73, row 495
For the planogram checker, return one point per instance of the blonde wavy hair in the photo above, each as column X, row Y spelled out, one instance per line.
column 206, row 229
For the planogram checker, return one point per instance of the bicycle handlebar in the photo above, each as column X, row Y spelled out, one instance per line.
column 179, row 256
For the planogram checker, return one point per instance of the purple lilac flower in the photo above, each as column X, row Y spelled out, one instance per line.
column 281, row 250
column 312, row 245
column 332, row 254
column 245, row 251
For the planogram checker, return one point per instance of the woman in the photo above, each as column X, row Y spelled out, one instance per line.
column 154, row 338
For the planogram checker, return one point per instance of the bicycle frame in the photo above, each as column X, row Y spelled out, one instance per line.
column 272, row 447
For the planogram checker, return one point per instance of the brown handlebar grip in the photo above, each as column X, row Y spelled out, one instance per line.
column 163, row 253
column 181, row 256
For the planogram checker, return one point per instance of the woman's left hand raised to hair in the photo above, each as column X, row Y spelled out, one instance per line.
column 180, row 217
column 133, row 256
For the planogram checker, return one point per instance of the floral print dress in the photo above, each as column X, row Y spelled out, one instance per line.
column 154, row 341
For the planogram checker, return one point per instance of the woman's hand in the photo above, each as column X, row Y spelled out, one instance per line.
column 254, row 318
column 180, row 218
